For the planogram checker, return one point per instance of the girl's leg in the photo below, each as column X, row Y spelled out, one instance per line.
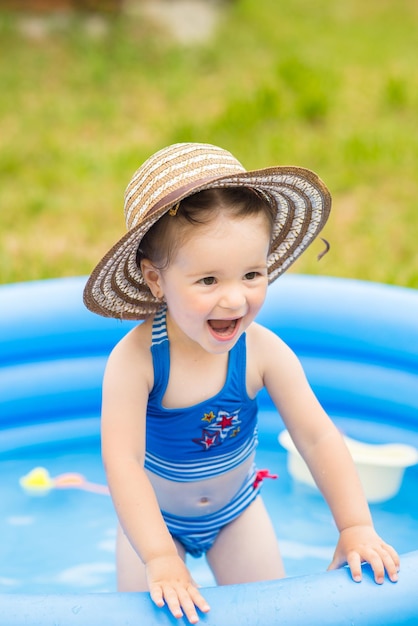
column 130, row 570
column 247, row 550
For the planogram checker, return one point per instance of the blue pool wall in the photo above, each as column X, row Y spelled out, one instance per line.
column 358, row 343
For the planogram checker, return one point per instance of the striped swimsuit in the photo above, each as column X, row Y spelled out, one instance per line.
column 202, row 441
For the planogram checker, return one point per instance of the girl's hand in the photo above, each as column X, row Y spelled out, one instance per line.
column 170, row 583
column 361, row 543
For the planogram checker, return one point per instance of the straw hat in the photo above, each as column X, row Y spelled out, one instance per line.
column 116, row 287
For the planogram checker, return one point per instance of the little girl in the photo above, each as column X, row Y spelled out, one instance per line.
column 179, row 422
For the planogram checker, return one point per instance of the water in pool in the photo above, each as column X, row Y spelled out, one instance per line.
column 64, row 541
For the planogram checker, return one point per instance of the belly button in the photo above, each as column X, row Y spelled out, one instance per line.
column 204, row 500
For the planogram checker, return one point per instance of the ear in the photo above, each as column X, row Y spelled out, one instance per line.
column 152, row 277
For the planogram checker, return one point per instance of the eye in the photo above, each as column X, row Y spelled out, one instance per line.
column 208, row 280
column 251, row 275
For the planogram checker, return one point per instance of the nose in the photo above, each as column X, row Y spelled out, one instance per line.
column 233, row 297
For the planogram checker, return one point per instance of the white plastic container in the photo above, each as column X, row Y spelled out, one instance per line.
column 380, row 466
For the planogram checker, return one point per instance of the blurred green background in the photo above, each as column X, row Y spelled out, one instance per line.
column 85, row 98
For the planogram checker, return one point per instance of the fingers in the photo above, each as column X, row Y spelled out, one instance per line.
column 391, row 562
column 381, row 559
column 199, row 600
column 156, row 594
column 354, row 563
column 359, row 544
column 180, row 601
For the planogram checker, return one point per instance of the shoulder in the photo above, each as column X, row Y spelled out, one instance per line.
column 260, row 339
column 131, row 357
column 270, row 353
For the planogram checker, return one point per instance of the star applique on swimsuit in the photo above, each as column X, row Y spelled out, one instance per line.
column 219, row 427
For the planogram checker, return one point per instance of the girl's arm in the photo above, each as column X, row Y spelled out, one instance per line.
column 327, row 456
column 127, row 381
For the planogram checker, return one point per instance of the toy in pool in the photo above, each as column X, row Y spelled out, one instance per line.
column 380, row 466
column 38, row 482
column 359, row 345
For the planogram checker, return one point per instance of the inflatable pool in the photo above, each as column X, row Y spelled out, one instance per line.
column 359, row 345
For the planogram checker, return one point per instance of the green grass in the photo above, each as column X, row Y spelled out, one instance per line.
column 327, row 85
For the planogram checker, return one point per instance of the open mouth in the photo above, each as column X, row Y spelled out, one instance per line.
column 223, row 329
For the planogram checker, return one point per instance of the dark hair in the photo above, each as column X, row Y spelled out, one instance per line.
column 168, row 233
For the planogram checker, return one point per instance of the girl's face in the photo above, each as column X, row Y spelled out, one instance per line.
column 216, row 282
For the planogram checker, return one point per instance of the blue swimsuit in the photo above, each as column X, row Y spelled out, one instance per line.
column 202, row 441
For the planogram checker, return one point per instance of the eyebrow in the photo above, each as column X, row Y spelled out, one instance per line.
column 214, row 272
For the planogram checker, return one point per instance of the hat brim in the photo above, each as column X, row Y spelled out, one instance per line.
column 116, row 287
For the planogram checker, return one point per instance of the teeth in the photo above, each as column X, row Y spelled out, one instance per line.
column 223, row 328
column 222, row 325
